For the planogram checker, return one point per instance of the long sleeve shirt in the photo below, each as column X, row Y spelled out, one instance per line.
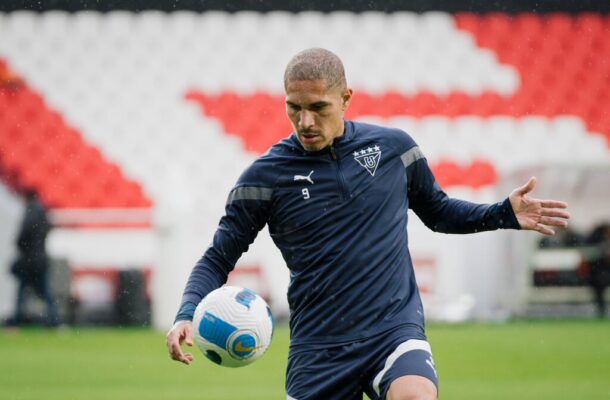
column 339, row 217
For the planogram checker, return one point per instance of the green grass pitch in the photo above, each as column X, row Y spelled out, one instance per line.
column 519, row 360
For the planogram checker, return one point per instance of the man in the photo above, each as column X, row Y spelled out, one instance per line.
column 335, row 195
column 599, row 272
column 31, row 265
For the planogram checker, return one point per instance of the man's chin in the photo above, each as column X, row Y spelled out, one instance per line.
column 312, row 147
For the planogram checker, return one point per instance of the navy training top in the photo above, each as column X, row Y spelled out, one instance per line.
column 339, row 218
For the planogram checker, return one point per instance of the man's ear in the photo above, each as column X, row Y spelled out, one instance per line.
column 347, row 97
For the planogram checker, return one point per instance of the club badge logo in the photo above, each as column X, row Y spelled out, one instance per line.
column 368, row 158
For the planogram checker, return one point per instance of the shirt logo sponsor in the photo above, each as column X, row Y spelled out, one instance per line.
column 368, row 158
column 304, row 178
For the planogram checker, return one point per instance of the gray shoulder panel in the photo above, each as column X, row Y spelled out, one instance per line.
column 411, row 155
column 250, row 193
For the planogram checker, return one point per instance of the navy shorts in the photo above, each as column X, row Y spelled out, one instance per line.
column 367, row 366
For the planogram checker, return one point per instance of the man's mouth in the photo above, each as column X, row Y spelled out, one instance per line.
column 309, row 135
column 309, row 138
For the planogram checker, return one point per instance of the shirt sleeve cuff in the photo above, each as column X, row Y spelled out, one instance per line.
column 508, row 220
column 186, row 312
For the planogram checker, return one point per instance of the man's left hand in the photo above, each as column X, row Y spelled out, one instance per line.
column 535, row 214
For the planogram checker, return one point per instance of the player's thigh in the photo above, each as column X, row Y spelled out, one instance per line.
column 409, row 371
column 411, row 387
column 324, row 374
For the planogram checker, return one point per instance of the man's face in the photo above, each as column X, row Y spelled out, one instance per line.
column 316, row 112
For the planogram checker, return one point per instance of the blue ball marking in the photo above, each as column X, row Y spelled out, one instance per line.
column 215, row 330
column 272, row 321
column 243, row 346
column 245, row 297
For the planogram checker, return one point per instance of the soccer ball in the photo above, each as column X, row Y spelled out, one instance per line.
column 233, row 326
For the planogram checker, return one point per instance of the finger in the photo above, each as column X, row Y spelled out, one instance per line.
column 554, row 212
column 552, row 221
column 553, row 204
column 169, row 342
column 173, row 345
column 176, row 354
column 528, row 187
column 188, row 335
column 187, row 358
column 544, row 230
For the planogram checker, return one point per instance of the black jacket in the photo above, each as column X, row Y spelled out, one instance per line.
column 33, row 234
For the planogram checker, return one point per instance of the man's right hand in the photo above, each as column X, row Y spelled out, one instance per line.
column 182, row 331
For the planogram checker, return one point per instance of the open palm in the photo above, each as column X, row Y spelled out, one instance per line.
column 535, row 214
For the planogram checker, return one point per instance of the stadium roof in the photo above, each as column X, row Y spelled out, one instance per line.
column 511, row 6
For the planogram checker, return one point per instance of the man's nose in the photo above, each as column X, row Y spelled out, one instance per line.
column 306, row 120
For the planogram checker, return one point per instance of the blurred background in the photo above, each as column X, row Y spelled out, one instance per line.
column 132, row 126
column 132, row 120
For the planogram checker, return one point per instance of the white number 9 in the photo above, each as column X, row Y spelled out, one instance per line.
column 305, row 193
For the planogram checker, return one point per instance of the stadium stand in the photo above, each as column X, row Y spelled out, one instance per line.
column 162, row 111
column 537, row 70
column 40, row 151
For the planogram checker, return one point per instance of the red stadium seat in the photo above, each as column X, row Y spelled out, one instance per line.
column 447, row 173
column 480, row 173
column 561, row 63
column 47, row 155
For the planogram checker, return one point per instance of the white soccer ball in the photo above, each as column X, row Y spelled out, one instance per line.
column 233, row 326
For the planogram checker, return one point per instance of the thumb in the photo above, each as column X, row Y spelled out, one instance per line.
column 528, row 187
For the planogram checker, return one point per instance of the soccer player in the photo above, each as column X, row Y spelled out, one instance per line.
column 335, row 196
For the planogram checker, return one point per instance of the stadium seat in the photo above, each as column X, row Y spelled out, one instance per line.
column 483, row 75
column 37, row 133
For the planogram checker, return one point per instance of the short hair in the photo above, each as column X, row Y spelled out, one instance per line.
column 316, row 64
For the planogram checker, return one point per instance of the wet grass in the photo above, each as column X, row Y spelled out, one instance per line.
column 523, row 360
column 518, row 360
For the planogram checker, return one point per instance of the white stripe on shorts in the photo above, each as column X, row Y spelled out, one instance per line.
column 409, row 345
column 288, row 397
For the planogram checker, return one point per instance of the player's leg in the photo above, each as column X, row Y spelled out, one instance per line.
column 412, row 387
column 19, row 315
column 407, row 373
column 44, row 291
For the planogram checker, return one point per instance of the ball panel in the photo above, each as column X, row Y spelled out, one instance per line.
column 213, row 356
column 215, row 330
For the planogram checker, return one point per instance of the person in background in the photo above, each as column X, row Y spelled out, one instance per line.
column 599, row 275
column 563, row 238
column 31, row 266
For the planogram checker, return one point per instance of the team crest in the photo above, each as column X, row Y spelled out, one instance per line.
column 368, row 158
